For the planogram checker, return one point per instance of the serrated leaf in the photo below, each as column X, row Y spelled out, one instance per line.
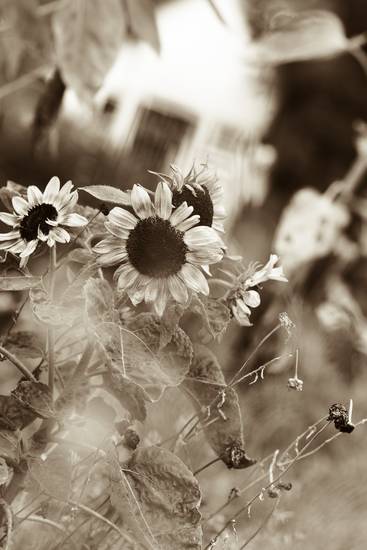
column 106, row 193
column 142, row 22
column 206, row 386
column 158, row 498
column 19, row 283
column 88, row 36
column 138, row 356
column 10, row 446
column 54, row 474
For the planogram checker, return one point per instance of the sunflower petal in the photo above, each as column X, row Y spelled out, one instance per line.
column 178, row 289
column 9, row 219
column 141, row 202
column 204, row 256
column 194, row 278
column 60, row 235
column 51, row 191
column 9, row 236
column 73, row 220
column 127, row 275
column 122, row 217
column 117, row 230
column 29, row 249
column 34, row 195
column 20, row 206
column 188, row 223
column 163, row 200
column 113, row 257
column 160, row 303
column 200, row 236
column 181, row 213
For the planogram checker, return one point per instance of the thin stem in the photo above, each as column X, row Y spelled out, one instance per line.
column 50, row 329
column 45, row 521
column 262, row 525
column 217, row 459
column 20, row 366
column 254, row 351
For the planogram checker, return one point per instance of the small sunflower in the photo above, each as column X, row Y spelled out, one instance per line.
column 38, row 218
column 159, row 249
column 202, row 191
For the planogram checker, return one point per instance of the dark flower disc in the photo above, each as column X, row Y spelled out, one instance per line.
column 200, row 201
column 36, row 218
column 156, row 248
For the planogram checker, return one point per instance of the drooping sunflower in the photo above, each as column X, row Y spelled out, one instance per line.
column 201, row 190
column 39, row 218
column 160, row 250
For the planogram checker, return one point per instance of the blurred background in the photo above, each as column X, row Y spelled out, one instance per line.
column 192, row 82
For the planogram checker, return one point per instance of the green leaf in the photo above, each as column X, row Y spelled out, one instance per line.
column 157, row 497
column 206, row 386
column 138, row 356
column 142, row 22
column 19, row 283
column 88, row 36
column 106, row 193
column 10, row 446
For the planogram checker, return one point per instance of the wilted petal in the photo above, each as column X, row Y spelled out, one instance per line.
column 252, row 298
column 9, row 236
column 60, row 235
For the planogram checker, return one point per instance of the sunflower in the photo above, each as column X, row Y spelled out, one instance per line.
column 160, row 250
column 38, row 218
column 202, row 191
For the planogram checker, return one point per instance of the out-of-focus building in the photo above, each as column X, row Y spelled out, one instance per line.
column 195, row 101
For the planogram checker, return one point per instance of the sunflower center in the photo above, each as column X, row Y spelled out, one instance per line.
column 200, row 201
column 36, row 218
column 156, row 248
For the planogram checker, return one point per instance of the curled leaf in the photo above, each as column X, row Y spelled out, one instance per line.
column 25, row 343
column 13, row 415
column 131, row 396
column 206, row 386
column 158, row 498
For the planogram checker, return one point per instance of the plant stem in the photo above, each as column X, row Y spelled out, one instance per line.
column 261, row 343
column 22, row 368
column 217, row 459
column 9, row 521
column 50, row 329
